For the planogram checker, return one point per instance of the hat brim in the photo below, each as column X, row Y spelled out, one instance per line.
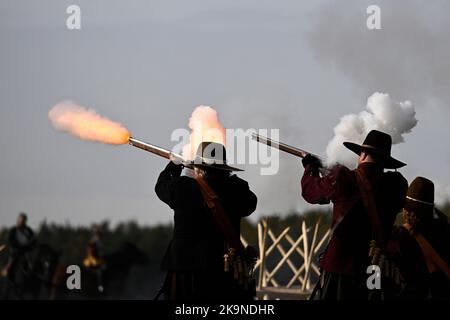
column 389, row 162
column 422, row 210
column 223, row 167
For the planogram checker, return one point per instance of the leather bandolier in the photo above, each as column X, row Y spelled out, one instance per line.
column 238, row 261
column 432, row 258
column 378, row 253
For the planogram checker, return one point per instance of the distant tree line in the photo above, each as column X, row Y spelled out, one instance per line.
column 72, row 241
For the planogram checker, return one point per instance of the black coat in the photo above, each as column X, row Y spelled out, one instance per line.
column 420, row 284
column 347, row 251
column 16, row 248
column 197, row 243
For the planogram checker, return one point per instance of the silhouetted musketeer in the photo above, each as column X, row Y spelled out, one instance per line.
column 200, row 261
column 365, row 204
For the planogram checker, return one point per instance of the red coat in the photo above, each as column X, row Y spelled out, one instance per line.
column 347, row 252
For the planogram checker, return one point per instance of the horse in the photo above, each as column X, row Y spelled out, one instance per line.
column 31, row 275
column 109, row 280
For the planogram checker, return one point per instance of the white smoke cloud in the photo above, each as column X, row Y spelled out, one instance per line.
column 407, row 57
column 442, row 192
column 382, row 113
column 205, row 125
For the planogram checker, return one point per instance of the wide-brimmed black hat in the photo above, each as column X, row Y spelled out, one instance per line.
column 379, row 143
column 212, row 155
column 421, row 191
column 420, row 198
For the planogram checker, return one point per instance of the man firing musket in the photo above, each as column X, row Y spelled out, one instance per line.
column 206, row 259
column 366, row 202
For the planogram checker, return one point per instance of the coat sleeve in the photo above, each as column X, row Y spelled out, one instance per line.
column 167, row 182
column 12, row 243
column 246, row 199
column 317, row 189
column 397, row 187
column 14, row 247
column 249, row 201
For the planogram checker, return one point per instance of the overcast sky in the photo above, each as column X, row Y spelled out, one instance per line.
column 286, row 64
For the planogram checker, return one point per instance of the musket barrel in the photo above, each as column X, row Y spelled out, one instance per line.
column 149, row 147
column 281, row 146
column 157, row 150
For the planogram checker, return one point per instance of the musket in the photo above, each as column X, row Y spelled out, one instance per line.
column 281, row 146
column 175, row 157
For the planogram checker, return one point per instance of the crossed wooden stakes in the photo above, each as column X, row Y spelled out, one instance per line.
column 299, row 286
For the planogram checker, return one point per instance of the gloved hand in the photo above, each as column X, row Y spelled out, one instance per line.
column 174, row 169
column 309, row 159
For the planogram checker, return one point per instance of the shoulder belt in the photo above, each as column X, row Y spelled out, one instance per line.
column 366, row 192
column 366, row 195
column 219, row 215
column 432, row 257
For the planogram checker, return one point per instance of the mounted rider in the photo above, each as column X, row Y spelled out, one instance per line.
column 21, row 240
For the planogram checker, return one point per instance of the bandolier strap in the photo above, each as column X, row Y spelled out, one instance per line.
column 432, row 258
